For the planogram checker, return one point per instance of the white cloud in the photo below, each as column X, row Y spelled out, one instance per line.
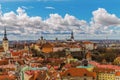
column 102, row 22
column 101, row 16
column 24, row 7
column 27, row 7
column 19, row 23
column 49, row 7
column 65, row 23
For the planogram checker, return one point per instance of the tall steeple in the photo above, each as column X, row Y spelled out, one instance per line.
column 72, row 35
column 5, row 34
column 5, row 41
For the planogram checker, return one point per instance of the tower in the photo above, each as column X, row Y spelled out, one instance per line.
column 88, row 56
column 5, row 41
column 72, row 36
column 41, row 37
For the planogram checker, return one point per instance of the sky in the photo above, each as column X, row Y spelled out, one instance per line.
column 88, row 19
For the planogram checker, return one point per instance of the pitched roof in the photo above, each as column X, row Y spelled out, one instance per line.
column 78, row 72
column 108, row 66
column 47, row 45
column 38, row 75
column 18, row 53
column 117, row 74
column 104, row 70
column 7, row 77
column 15, row 53
column 87, row 42
column 3, row 62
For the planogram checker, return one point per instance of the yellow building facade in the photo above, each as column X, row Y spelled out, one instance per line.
column 106, row 76
column 105, row 73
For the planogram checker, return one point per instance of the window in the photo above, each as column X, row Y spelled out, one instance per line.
column 85, row 74
column 1, row 70
column 68, row 74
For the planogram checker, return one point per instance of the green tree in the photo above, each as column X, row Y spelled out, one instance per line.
column 37, row 53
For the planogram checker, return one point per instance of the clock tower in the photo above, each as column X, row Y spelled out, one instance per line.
column 5, row 41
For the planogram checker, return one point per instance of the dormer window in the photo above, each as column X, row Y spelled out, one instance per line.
column 68, row 74
column 85, row 74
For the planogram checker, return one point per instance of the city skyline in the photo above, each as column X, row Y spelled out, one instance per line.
column 31, row 19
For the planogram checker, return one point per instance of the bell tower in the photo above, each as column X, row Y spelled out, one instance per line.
column 5, row 41
column 72, row 36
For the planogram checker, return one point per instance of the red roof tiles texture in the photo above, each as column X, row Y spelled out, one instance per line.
column 78, row 72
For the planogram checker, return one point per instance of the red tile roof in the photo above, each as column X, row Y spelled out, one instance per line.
column 109, row 66
column 104, row 70
column 117, row 74
column 78, row 72
column 18, row 53
column 87, row 42
column 4, row 62
column 7, row 77
column 15, row 53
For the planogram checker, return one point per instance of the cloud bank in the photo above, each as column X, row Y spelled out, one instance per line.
column 20, row 23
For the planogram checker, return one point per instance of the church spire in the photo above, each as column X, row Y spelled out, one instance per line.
column 5, row 41
column 5, row 34
column 72, row 35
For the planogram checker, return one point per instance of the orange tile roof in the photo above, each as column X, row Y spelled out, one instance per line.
column 78, row 72
column 9, row 66
column 87, row 42
column 7, row 77
column 4, row 62
column 38, row 75
column 117, row 74
column 18, row 53
column 74, row 46
column 48, row 45
column 108, row 66
column 1, row 49
column 15, row 53
column 104, row 70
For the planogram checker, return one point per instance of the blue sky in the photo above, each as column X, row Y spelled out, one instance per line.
column 79, row 8
column 82, row 9
column 84, row 12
